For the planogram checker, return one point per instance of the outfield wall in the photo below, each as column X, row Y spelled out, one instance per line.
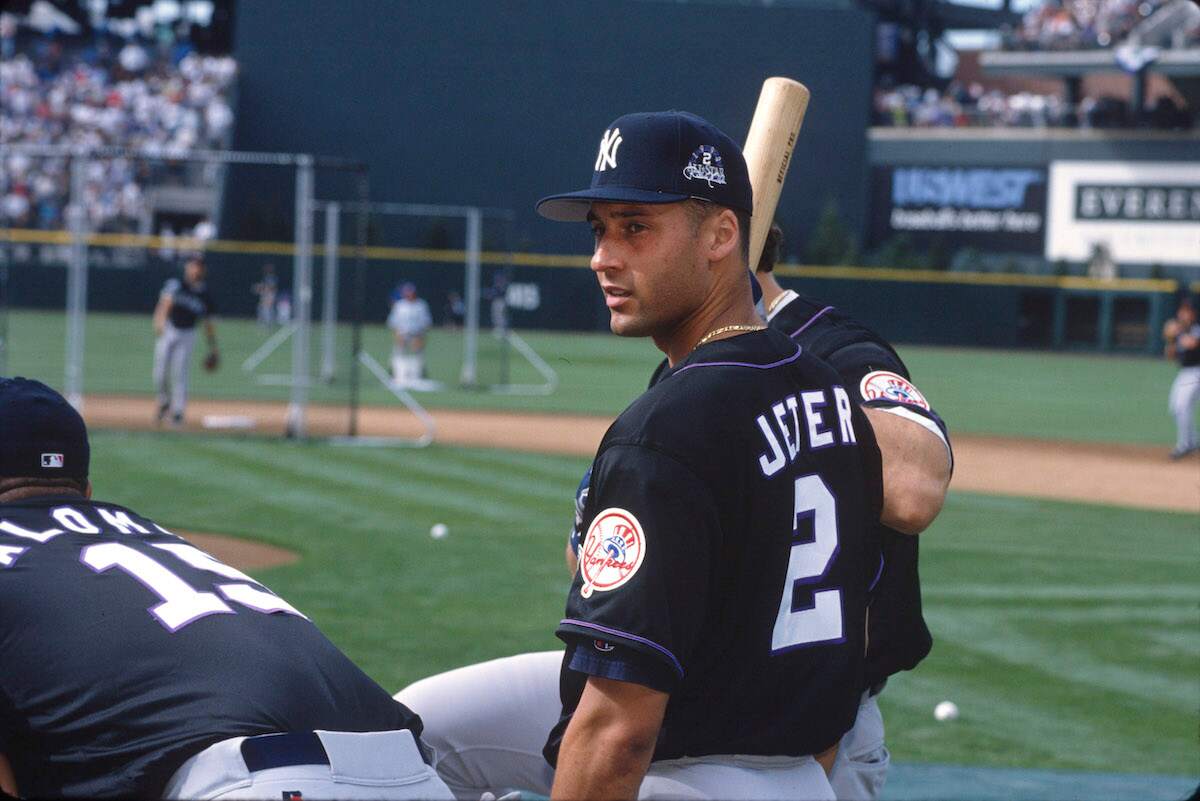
column 558, row 292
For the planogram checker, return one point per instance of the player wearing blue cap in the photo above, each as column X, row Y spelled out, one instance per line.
column 137, row 666
column 723, row 580
column 484, row 741
column 410, row 321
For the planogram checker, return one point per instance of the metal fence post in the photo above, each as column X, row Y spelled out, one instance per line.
column 469, row 377
column 302, row 293
column 329, row 299
column 77, row 277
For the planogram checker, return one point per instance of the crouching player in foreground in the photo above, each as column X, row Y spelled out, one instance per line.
column 137, row 666
column 485, row 740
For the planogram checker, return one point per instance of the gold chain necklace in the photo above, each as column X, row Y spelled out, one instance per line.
column 725, row 329
column 778, row 299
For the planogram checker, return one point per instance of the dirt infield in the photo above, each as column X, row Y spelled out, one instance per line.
column 1119, row 475
column 239, row 553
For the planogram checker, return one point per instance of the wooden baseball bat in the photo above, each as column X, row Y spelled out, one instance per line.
column 768, row 151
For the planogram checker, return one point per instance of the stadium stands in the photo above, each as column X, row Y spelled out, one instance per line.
column 159, row 96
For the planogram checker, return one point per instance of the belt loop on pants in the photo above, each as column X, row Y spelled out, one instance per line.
column 268, row 751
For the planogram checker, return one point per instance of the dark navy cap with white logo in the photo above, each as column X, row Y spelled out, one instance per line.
column 41, row 435
column 659, row 157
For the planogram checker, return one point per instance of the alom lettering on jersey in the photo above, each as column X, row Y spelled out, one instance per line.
column 728, row 553
column 190, row 304
column 126, row 651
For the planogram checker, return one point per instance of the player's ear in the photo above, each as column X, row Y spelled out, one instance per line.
column 87, row 491
column 723, row 235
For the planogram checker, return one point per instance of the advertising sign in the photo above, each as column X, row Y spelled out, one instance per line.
column 1143, row 212
column 999, row 209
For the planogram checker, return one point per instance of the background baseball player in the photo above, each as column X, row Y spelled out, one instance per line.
column 484, row 741
column 266, row 290
column 916, row 474
column 182, row 305
column 410, row 321
column 1182, row 337
column 137, row 666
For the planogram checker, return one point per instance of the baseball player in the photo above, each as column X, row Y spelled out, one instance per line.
column 137, row 666
column 410, row 321
column 483, row 741
column 181, row 306
column 722, row 585
column 1182, row 337
column 266, row 290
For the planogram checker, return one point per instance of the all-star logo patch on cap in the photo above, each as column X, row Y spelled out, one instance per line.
column 659, row 157
column 41, row 435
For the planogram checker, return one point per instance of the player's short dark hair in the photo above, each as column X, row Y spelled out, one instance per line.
column 772, row 248
column 47, row 486
column 699, row 211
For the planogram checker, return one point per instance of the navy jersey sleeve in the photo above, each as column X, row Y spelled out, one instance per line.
column 651, row 544
column 170, row 287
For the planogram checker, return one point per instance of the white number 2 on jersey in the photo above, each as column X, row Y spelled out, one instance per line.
column 181, row 602
column 807, row 563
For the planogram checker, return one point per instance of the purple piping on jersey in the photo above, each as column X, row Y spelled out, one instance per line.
column 878, row 573
column 779, row 363
column 811, row 320
column 626, row 635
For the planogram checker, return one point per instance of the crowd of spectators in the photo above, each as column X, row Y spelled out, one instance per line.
column 160, row 97
column 960, row 106
column 1085, row 24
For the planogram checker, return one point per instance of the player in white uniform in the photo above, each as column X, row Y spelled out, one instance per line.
column 410, row 321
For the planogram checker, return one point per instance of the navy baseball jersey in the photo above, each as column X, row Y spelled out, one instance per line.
column 126, row 651
column 1188, row 357
column 191, row 303
column 729, row 552
column 874, row 374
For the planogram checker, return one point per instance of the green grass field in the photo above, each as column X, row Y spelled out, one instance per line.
column 1069, row 635
column 1045, row 395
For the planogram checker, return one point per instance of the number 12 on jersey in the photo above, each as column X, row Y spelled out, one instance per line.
column 808, row 562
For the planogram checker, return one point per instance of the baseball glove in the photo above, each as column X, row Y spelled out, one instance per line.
column 212, row 361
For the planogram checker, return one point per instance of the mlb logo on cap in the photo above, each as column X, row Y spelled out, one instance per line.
column 52, row 460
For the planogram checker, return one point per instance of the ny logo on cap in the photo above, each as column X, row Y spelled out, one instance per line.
column 52, row 460
column 607, row 157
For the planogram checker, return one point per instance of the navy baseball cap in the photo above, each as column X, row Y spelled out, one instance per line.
column 41, row 435
column 659, row 157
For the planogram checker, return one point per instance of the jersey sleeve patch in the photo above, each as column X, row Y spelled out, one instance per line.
column 889, row 386
column 612, row 552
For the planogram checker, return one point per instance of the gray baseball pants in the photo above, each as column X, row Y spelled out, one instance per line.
column 488, row 722
column 1185, row 396
column 172, row 367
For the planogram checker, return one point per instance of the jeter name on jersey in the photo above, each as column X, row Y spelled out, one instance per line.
column 729, row 552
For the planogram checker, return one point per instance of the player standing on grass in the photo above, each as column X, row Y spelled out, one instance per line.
column 137, row 666
column 182, row 305
column 1182, row 336
column 410, row 322
column 722, row 589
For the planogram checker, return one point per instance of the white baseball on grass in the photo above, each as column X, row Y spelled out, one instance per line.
column 438, row 531
column 946, row 710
